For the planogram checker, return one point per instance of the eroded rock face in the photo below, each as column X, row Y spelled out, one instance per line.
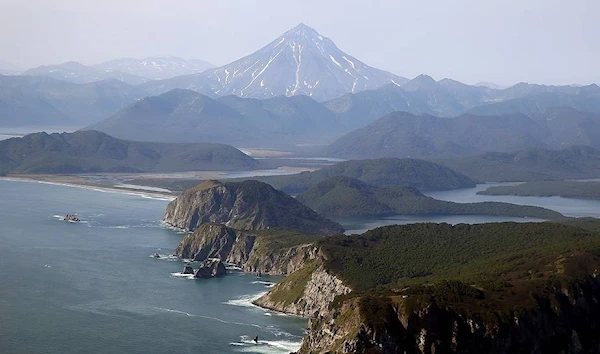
column 319, row 291
column 216, row 241
column 248, row 205
column 243, row 249
column 281, row 262
column 562, row 322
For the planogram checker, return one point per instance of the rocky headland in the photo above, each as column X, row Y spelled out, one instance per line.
column 248, row 205
column 423, row 288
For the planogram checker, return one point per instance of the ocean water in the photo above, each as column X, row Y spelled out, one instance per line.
column 92, row 287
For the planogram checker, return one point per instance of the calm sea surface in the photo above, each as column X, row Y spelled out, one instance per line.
column 93, row 287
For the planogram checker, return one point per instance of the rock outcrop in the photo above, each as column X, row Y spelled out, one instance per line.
column 187, row 269
column 216, row 241
column 307, row 292
column 254, row 252
column 210, row 268
column 248, row 205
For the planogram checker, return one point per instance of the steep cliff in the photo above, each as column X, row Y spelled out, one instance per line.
column 438, row 288
column 561, row 320
column 248, row 205
column 308, row 292
column 274, row 252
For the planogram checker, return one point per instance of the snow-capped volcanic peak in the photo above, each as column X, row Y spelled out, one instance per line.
column 301, row 61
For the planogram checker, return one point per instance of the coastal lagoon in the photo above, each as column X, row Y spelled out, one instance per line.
column 567, row 206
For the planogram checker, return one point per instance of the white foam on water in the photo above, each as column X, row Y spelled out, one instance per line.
column 168, row 257
column 181, row 275
column 245, row 300
column 247, row 345
column 268, row 284
column 210, row 318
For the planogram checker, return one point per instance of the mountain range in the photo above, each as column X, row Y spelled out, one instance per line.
column 300, row 89
column 187, row 116
column 570, row 163
column 450, row 98
column 155, row 68
column 129, row 70
column 43, row 101
column 402, row 134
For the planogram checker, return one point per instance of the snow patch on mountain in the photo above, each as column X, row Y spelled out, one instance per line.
column 300, row 62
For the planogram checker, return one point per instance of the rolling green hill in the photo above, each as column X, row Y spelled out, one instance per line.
column 420, row 174
column 344, row 196
column 92, row 151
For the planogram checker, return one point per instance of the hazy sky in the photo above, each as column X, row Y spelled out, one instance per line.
column 504, row 41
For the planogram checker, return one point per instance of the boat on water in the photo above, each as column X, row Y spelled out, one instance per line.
column 71, row 218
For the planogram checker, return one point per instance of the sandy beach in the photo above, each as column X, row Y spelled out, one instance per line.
column 82, row 182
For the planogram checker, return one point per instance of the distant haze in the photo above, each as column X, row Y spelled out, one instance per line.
column 541, row 41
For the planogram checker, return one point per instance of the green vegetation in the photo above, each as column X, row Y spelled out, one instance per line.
column 577, row 162
column 291, row 289
column 344, row 196
column 272, row 242
column 420, row 174
column 91, row 151
column 566, row 189
column 247, row 205
column 489, row 255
